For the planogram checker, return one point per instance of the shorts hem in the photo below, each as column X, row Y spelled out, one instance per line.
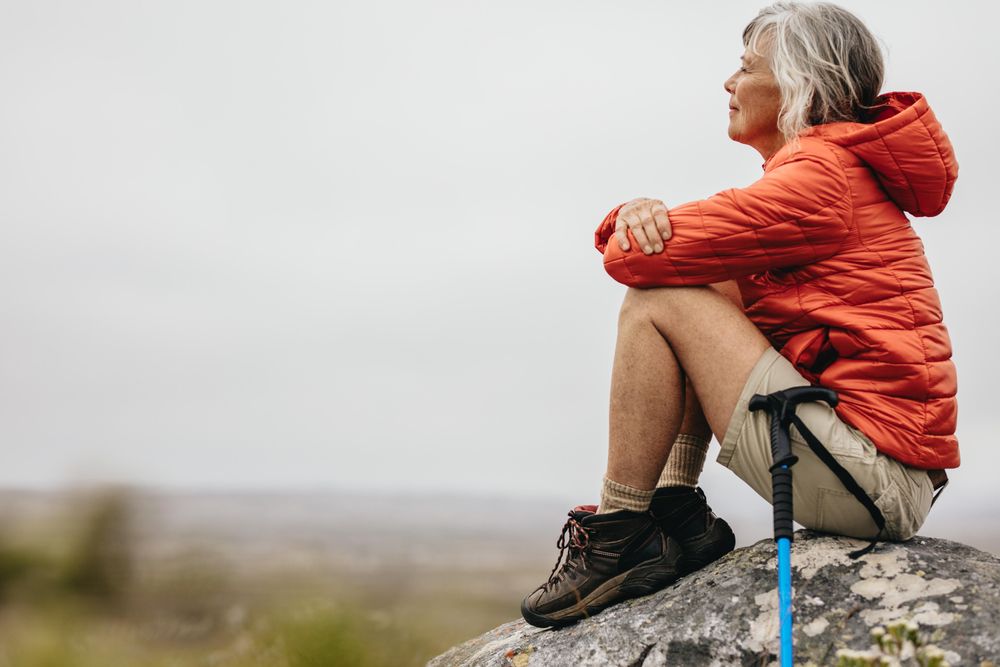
column 742, row 410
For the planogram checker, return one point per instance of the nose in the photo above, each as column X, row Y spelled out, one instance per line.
column 730, row 84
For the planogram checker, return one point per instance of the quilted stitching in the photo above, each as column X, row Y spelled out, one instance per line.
column 807, row 255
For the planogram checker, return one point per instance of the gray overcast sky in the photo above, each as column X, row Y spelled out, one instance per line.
column 349, row 244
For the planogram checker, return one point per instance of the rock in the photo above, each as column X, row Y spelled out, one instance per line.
column 725, row 614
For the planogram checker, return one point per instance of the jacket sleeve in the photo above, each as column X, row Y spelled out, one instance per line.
column 798, row 213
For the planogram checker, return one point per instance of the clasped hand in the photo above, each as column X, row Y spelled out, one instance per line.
column 647, row 220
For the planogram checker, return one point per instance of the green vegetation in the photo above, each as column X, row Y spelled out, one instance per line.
column 898, row 643
column 81, row 593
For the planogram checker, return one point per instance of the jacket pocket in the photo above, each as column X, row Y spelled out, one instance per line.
column 825, row 355
column 811, row 352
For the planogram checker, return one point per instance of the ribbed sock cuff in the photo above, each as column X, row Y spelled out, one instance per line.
column 616, row 496
column 687, row 458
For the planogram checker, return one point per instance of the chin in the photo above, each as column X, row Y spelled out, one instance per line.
column 733, row 129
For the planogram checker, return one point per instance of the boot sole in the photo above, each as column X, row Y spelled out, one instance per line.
column 645, row 578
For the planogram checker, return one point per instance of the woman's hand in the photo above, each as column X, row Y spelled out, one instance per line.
column 647, row 219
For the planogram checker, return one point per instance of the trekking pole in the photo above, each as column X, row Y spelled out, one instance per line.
column 781, row 407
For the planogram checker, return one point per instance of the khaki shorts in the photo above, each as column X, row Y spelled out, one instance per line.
column 820, row 501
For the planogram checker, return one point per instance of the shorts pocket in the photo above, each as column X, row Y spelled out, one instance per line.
column 840, row 513
column 868, row 450
column 905, row 503
column 897, row 512
column 838, row 438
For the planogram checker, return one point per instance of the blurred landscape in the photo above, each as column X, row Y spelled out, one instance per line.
column 117, row 576
column 126, row 577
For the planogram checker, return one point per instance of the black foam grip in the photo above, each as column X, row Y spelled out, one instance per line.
column 781, row 446
column 796, row 395
column 776, row 439
column 758, row 402
column 781, row 498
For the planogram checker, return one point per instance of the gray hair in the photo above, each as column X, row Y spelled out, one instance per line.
column 827, row 63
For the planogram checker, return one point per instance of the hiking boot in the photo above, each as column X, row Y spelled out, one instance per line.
column 683, row 514
column 608, row 558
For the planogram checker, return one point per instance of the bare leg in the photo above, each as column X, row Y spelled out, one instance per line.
column 666, row 337
column 694, row 418
column 694, row 421
column 647, row 399
column 666, row 334
column 690, row 449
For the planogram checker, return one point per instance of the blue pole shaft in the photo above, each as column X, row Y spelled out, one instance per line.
column 785, row 599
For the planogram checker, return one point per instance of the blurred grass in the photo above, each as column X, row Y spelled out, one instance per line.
column 78, row 593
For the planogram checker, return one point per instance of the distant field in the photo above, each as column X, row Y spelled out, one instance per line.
column 146, row 578
column 224, row 579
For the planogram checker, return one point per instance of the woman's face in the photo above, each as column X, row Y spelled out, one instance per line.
column 754, row 103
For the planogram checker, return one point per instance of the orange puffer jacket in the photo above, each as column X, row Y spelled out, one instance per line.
column 831, row 271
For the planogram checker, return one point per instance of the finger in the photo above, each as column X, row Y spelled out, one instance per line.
column 641, row 240
column 620, row 226
column 637, row 223
column 622, row 240
column 654, row 242
column 662, row 220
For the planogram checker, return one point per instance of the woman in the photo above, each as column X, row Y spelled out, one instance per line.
column 811, row 275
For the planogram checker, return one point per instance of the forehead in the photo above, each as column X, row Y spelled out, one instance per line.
column 757, row 45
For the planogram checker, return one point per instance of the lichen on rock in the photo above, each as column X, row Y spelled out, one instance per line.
column 726, row 613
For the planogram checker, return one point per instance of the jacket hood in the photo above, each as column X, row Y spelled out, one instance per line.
column 904, row 144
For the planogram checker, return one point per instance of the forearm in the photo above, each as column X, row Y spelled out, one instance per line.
column 798, row 213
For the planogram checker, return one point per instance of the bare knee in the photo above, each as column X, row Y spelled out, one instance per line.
column 730, row 290
column 651, row 303
column 636, row 306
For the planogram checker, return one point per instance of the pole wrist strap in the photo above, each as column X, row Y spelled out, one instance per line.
column 847, row 480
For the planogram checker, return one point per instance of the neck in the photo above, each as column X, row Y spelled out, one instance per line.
column 769, row 146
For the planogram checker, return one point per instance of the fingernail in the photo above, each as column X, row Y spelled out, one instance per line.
column 646, row 249
column 666, row 235
column 658, row 247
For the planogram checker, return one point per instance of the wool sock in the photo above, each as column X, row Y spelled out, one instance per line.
column 687, row 458
column 616, row 496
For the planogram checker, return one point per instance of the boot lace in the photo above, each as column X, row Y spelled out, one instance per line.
column 573, row 540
